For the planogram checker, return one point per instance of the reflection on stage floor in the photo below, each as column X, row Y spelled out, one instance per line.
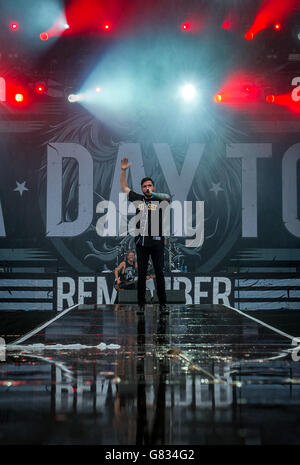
column 105, row 375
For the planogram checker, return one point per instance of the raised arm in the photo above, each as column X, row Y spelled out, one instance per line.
column 123, row 180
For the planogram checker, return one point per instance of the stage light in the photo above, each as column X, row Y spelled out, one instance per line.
column 188, row 92
column 14, row 26
column 227, row 24
column 19, row 98
column 98, row 89
column 107, row 27
column 40, row 88
column 75, row 98
column 218, row 98
column 249, row 35
column 66, row 26
column 186, row 26
column 44, row 36
column 270, row 98
column 277, row 27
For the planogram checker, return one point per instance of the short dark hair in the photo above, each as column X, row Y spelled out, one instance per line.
column 146, row 179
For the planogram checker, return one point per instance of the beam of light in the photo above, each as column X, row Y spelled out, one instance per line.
column 142, row 79
column 59, row 26
column 88, row 96
column 285, row 100
column 36, row 17
column 239, row 89
column 33, row 17
column 14, row 26
column 112, row 87
column 85, row 16
column 270, row 12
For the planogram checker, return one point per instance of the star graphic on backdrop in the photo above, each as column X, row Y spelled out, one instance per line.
column 216, row 188
column 21, row 187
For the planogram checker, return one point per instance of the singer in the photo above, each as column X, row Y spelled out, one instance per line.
column 146, row 244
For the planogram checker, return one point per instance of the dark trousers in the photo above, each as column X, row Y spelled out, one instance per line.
column 157, row 254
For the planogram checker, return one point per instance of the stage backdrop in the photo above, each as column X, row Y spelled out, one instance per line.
column 59, row 162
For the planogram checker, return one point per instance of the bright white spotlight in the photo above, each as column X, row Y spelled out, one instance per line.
column 188, row 92
column 75, row 98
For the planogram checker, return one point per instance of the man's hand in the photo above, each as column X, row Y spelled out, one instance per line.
column 123, row 179
column 124, row 164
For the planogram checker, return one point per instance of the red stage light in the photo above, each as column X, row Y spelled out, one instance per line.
column 218, row 98
column 186, row 26
column 226, row 24
column 239, row 90
column 249, row 35
column 107, row 27
column 286, row 100
column 44, row 36
column 270, row 98
column 40, row 88
column 272, row 11
column 19, row 98
column 14, row 26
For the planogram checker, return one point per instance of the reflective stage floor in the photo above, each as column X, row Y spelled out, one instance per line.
column 104, row 375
